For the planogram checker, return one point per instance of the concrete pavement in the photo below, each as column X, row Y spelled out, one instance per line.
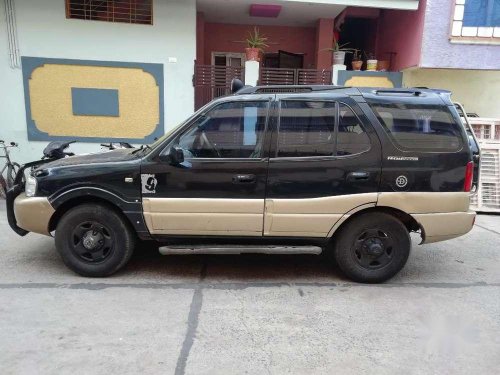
column 251, row 314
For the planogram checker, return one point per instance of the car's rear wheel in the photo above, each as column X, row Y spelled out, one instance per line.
column 94, row 240
column 372, row 247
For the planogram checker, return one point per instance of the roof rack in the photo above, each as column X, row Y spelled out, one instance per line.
column 398, row 92
column 287, row 89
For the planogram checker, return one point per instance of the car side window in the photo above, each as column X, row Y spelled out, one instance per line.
column 351, row 137
column 306, row 128
column 230, row 130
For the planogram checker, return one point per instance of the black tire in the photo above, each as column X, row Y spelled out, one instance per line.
column 94, row 240
column 372, row 247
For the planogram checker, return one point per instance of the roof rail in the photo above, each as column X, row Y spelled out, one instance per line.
column 287, row 89
column 398, row 92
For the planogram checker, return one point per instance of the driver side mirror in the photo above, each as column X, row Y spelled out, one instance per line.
column 176, row 155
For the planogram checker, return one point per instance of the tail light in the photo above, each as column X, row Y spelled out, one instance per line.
column 469, row 172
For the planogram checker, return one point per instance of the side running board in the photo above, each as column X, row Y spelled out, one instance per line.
column 237, row 249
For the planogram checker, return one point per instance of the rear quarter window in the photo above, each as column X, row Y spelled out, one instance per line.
column 423, row 127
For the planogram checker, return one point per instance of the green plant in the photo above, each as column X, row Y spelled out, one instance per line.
column 370, row 56
column 356, row 55
column 256, row 40
column 339, row 47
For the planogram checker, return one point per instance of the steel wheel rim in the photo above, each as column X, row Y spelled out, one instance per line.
column 92, row 242
column 373, row 249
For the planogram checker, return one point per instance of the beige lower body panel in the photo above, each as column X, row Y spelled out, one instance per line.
column 425, row 202
column 444, row 226
column 440, row 215
column 33, row 213
column 313, row 217
column 199, row 216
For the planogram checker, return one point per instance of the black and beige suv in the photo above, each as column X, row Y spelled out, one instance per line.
column 347, row 171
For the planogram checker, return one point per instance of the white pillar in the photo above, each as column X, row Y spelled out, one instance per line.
column 335, row 72
column 251, row 73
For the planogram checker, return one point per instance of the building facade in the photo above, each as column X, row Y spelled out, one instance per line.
column 100, row 71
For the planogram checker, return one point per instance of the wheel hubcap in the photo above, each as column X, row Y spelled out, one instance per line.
column 373, row 249
column 92, row 242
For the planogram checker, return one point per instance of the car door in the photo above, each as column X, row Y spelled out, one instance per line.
column 324, row 162
column 218, row 190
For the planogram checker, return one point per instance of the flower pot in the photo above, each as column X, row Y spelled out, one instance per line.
column 371, row 65
column 383, row 65
column 357, row 64
column 338, row 57
column 252, row 54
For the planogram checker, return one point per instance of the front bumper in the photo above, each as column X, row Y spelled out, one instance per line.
column 33, row 213
column 26, row 214
column 12, row 194
column 444, row 226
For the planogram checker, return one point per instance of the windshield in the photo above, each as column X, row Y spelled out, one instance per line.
column 160, row 140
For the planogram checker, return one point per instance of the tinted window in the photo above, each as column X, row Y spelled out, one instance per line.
column 231, row 130
column 416, row 126
column 351, row 137
column 307, row 128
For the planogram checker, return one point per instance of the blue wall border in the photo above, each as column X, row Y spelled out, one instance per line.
column 345, row 75
column 29, row 64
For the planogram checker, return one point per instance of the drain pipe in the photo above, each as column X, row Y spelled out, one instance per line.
column 10, row 18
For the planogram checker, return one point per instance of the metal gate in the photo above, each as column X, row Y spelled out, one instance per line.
column 285, row 76
column 213, row 81
column 487, row 132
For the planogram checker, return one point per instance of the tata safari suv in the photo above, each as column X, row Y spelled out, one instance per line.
column 345, row 171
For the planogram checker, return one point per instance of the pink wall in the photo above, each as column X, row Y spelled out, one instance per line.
column 401, row 31
column 324, row 39
column 228, row 38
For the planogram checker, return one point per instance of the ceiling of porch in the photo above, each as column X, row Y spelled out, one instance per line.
column 293, row 12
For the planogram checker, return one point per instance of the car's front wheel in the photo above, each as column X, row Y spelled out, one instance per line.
column 372, row 247
column 94, row 240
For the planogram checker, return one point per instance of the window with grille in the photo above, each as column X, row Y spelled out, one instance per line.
column 127, row 11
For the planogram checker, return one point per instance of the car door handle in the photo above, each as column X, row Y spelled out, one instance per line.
column 358, row 176
column 244, row 179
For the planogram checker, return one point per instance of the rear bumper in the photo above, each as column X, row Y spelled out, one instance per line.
column 444, row 226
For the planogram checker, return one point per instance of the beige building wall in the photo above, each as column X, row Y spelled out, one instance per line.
column 477, row 90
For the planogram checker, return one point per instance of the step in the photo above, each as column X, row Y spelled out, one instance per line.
column 237, row 249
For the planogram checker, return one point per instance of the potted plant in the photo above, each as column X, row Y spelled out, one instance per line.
column 256, row 43
column 383, row 65
column 371, row 62
column 357, row 62
column 338, row 52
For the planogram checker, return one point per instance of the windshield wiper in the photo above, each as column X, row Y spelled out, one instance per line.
column 142, row 148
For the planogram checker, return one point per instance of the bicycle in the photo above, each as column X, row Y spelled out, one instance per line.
column 11, row 167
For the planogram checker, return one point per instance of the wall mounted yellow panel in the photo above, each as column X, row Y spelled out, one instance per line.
column 50, row 84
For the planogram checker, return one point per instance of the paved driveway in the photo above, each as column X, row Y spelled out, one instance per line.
column 251, row 314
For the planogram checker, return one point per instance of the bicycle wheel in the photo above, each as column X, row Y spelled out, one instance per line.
column 11, row 174
column 3, row 187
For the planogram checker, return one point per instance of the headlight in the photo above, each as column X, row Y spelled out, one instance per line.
column 30, row 186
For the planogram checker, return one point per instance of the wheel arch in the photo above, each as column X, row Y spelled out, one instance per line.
column 408, row 221
column 70, row 203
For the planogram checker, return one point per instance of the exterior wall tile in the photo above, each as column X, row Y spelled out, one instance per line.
column 439, row 52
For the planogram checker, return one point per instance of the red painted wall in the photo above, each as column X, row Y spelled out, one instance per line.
column 324, row 40
column 401, row 31
column 228, row 37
